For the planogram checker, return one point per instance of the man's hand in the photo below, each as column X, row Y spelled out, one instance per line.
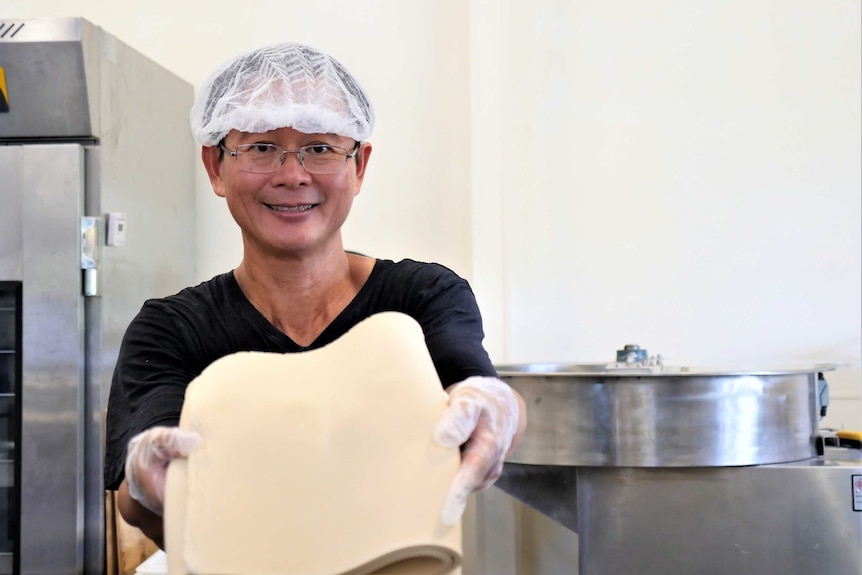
column 487, row 417
column 147, row 461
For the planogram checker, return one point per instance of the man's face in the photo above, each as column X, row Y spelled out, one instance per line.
column 288, row 211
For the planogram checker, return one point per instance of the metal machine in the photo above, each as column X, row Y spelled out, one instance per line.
column 688, row 471
column 96, row 216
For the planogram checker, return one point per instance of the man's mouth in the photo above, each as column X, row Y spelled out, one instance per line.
column 302, row 208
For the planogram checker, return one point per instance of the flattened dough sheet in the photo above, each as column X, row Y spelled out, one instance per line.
column 320, row 462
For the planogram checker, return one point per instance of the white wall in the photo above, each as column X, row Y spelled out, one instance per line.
column 411, row 57
column 684, row 176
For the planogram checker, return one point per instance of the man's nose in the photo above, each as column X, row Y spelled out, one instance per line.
column 291, row 169
column 285, row 157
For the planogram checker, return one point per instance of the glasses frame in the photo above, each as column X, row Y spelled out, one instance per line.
column 284, row 152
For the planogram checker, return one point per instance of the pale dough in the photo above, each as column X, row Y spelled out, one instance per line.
column 320, row 462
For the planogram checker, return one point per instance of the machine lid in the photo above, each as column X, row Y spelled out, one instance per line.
column 632, row 360
column 611, row 370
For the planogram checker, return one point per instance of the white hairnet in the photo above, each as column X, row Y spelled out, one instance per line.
column 284, row 85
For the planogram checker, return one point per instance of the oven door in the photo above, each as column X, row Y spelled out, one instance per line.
column 42, row 359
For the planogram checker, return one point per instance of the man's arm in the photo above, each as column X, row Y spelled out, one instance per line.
column 136, row 515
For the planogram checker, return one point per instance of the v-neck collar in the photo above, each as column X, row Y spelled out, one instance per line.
column 281, row 338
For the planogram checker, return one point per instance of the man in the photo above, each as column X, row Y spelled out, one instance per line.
column 283, row 131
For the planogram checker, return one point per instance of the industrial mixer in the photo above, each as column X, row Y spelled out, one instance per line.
column 676, row 470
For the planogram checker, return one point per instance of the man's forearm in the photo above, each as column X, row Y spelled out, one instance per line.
column 136, row 515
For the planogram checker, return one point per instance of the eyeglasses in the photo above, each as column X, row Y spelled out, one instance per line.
column 268, row 158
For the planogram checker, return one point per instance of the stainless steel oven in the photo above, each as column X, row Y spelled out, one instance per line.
column 96, row 216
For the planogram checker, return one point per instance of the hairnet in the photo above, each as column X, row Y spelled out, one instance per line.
column 284, row 85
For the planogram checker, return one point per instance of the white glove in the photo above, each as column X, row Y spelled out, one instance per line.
column 149, row 453
column 483, row 417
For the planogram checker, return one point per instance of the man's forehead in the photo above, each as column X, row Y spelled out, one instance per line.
column 289, row 132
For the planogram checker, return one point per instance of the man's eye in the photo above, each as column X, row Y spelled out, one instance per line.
column 317, row 150
column 262, row 148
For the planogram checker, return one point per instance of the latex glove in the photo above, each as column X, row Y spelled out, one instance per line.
column 483, row 417
column 149, row 453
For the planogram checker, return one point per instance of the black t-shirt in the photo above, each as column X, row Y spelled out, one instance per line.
column 173, row 339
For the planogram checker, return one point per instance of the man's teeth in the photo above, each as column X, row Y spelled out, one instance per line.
column 304, row 208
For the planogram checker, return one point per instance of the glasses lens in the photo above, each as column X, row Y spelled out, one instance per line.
column 258, row 158
column 323, row 159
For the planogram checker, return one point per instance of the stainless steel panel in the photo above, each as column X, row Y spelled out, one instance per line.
column 11, row 198
column 670, row 420
column 52, row 78
column 143, row 107
column 490, row 528
column 548, row 489
column 791, row 519
column 49, row 185
column 144, row 110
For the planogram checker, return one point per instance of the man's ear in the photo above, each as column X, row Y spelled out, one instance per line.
column 362, row 156
column 212, row 163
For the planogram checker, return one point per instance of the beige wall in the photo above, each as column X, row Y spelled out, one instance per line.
column 684, row 176
column 412, row 57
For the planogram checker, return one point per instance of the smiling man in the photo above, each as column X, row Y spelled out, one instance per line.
column 283, row 133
